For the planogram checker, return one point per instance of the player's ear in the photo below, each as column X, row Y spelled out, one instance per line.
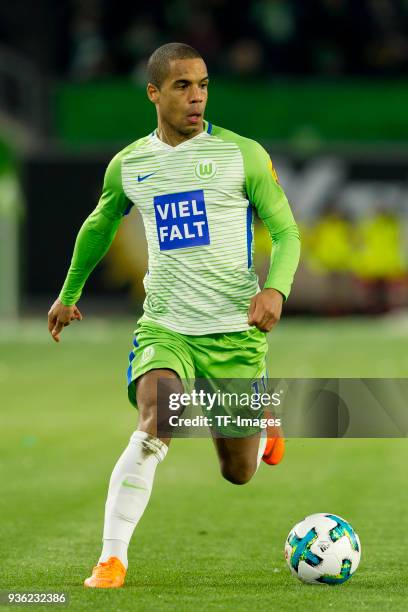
column 153, row 93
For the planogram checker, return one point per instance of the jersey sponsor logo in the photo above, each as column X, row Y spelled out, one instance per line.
column 143, row 178
column 181, row 220
column 206, row 169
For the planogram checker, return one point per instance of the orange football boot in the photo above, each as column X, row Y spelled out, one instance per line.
column 275, row 444
column 108, row 575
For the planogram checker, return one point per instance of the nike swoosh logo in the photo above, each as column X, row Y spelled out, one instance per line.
column 143, row 178
column 125, row 483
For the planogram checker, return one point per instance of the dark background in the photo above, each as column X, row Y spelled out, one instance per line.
column 318, row 82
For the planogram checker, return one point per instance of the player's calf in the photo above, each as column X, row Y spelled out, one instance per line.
column 239, row 457
column 131, row 482
column 238, row 472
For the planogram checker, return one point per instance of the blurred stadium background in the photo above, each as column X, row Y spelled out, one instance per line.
column 323, row 84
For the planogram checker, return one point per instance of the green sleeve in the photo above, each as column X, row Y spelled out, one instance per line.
column 272, row 206
column 97, row 233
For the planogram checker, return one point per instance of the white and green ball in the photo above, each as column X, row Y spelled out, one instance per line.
column 323, row 549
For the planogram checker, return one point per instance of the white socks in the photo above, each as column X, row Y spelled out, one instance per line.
column 129, row 491
column 262, row 444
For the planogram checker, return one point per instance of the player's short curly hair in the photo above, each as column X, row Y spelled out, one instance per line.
column 159, row 61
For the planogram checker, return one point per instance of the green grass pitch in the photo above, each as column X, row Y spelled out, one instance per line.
column 203, row 543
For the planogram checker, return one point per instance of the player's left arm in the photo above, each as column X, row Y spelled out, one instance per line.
column 268, row 197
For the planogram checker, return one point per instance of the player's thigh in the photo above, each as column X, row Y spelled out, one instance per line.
column 159, row 364
column 157, row 348
column 232, row 367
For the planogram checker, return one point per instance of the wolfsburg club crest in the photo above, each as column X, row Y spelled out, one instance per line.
column 206, row 169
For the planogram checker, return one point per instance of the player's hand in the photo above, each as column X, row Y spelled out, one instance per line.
column 59, row 316
column 265, row 309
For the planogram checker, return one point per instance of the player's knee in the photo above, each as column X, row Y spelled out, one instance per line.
column 238, row 473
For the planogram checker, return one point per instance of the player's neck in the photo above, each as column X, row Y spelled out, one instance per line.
column 172, row 137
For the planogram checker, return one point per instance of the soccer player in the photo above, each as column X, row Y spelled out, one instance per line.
column 197, row 187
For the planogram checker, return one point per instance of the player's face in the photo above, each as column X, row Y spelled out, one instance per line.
column 182, row 98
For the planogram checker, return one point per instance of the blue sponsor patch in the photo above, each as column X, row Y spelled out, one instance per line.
column 181, row 220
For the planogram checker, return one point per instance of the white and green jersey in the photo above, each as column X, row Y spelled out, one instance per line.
column 197, row 201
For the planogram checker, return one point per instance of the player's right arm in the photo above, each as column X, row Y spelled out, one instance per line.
column 92, row 243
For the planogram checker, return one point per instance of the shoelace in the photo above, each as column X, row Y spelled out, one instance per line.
column 104, row 569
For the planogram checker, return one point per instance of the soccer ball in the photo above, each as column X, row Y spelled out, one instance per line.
column 323, row 549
